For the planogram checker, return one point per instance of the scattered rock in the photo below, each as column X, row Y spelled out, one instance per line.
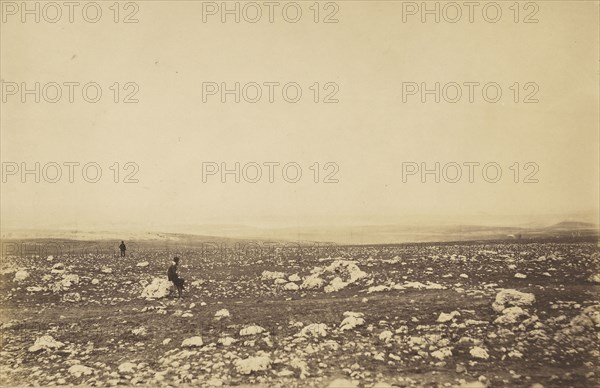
column 45, row 342
column 314, row 330
column 312, row 282
column 223, row 313
column 512, row 297
column 343, row 383
column 511, row 315
column 442, row 353
column 127, row 368
column 72, row 297
column 140, row 331
column 159, row 288
column 446, row 317
column 227, row 341
column 214, row 383
column 386, row 336
column 352, row 320
column 21, row 275
column 35, row 289
column 251, row 330
column 195, row 341
column 594, row 278
column 380, row 288
column 479, row 352
column 79, row 370
column 291, row 287
column 335, row 285
column 271, row 275
column 252, row 364
column 294, row 278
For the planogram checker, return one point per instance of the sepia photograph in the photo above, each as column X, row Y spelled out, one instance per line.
column 308, row 193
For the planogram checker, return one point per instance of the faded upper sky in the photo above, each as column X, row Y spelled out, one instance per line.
column 368, row 134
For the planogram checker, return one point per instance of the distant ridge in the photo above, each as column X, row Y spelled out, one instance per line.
column 361, row 234
column 573, row 225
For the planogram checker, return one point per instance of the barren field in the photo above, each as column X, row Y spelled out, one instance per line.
column 477, row 314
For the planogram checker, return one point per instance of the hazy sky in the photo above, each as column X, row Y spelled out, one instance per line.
column 368, row 134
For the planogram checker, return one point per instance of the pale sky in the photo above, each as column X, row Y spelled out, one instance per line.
column 369, row 133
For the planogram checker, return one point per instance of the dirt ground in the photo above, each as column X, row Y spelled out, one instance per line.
column 416, row 315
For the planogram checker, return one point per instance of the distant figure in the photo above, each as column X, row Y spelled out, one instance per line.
column 174, row 277
column 123, row 248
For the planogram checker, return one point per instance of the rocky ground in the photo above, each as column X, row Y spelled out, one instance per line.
column 447, row 315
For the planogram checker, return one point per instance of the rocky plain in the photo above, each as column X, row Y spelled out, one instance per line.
column 480, row 314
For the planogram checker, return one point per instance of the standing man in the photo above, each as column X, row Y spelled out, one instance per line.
column 123, row 248
column 174, row 277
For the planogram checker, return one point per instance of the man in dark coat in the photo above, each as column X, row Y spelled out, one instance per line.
column 122, row 248
column 174, row 277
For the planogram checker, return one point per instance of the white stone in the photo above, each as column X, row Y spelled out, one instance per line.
column 479, row 352
column 192, row 342
column 79, row 370
column 343, row 383
column 159, row 288
column 593, row 312
column 511, row 315
column 72, row 297
column 347, row 268
column 226, row 341
column 473, row 384
column 253, row 364
column 271, row 275
column 139, row 331
column 312, row 282
column 127, row 368
column 380, row 288
column 335, row 285
column 419, row 286
column 68, row 280
column 21, row 275
column 352, row 320
column 291, row 287
column 223, row 313
column 35, row 289
column 442, row 353
column 45, row 342
column 594, row 278
column 251, row 330
column 445, row 317
column 294, row 278
column 314, row 330
column 512, row 297
column 386, row 336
